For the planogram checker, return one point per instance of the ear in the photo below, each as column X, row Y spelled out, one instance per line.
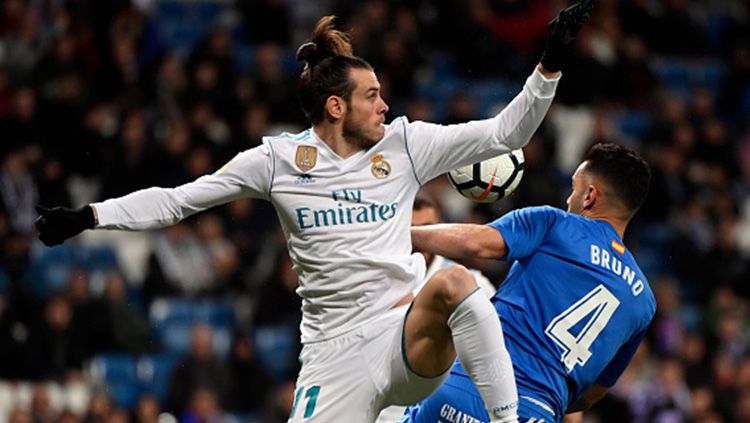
column 591, row 197
column 336, row 107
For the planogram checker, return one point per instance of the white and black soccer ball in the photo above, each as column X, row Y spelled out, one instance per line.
column 491, row 179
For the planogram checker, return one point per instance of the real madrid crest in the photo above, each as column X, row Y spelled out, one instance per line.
column 380, row 168
column 306, row 157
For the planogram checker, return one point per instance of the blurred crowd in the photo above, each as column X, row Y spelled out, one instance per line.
column 101, row 98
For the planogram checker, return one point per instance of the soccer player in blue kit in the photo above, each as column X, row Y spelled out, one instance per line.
column 574, row 306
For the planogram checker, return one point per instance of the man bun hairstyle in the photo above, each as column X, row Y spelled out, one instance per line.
column 325, row 42
column 624, row 170
column 328, row 58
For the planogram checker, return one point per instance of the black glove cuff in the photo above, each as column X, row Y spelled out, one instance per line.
column 85, row 217
column 554, row 57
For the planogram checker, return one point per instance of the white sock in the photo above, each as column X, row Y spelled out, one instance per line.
column 478, row 339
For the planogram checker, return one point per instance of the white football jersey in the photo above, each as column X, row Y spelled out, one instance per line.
column 346, row 221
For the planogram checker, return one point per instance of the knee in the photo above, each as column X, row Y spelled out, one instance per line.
column 453, row 284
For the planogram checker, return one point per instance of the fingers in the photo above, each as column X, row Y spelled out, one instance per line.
column 42, row 225
column 50, row 241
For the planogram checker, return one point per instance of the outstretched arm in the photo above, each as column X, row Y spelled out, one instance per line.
column 459, row 240
column 247, row 175
column 436, row 149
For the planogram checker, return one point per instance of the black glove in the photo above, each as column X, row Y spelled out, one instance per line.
column 561, row 33
column 57, row 224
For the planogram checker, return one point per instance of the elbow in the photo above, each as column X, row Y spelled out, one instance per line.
column 478, row 249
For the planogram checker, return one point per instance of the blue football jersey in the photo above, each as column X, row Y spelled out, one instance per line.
column 574, row 308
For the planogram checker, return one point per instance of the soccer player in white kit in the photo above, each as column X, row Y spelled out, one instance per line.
column 343, row 190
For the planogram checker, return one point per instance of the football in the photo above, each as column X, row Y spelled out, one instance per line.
column 491, row 179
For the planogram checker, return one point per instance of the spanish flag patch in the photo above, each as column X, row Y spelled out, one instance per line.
column 618, row 247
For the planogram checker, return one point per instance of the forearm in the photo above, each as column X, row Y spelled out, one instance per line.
column 580, row 405
column 517, row 123
column 589, row 397
column 573, row 418
column 459, row 240
column 154, row 208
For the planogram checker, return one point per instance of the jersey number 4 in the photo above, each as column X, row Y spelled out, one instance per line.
column 598, row 305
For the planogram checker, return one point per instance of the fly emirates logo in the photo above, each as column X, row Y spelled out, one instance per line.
column 348, row 210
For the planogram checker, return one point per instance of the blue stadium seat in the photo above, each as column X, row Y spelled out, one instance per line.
column 51, row 268
column 173, row 320
column 117, row 373
column 182, row 311
column 217, row 314
column 170, row 10
column 244, row 58
column 114, row 367
column 124, row 394
column 633, row 124
column 166, row 311
column 154, row 373
column 653, row 241
column 710, row 75
column 276, row 347
column 208, row 10
column 101, row 258
column 175, row 338
column 489, row 94
column 443, row 67
column 684, row 76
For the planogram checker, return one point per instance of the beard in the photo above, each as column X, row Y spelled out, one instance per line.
column 354, row 132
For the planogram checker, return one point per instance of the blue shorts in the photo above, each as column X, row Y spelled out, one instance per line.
column 458, row 400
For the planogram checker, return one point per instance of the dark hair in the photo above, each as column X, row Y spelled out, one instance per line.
column 328, row 58
column 623, row 170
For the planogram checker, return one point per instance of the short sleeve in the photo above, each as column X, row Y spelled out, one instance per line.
column 525, row 230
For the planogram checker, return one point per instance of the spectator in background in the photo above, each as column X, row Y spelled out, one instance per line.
column 117, row 415
column 18, row 192
column 67, row 416
column 90, row 325
column 179, row 266
column 199, row 371
column 251, row 383
column 99, row 408
column 697, row 134
column 204, row 408
column 174, row 150
column 19, row 415
column 279, row 407
column 55, row 350
column 42, row 410
column 147, row 409
column 130, row 162
column 267, row 21
column 126, row 326
column 669, row 397
column 224, row 255
column 278, row 302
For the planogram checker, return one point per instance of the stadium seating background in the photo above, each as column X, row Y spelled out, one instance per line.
column 100, row 98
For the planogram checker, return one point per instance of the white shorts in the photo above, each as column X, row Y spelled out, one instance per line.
column 350, row 378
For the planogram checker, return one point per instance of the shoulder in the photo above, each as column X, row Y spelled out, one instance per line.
column 287, row 137
column 547, row 213
column 397, row 127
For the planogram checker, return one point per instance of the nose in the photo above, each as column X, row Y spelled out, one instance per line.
column 383, row 107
